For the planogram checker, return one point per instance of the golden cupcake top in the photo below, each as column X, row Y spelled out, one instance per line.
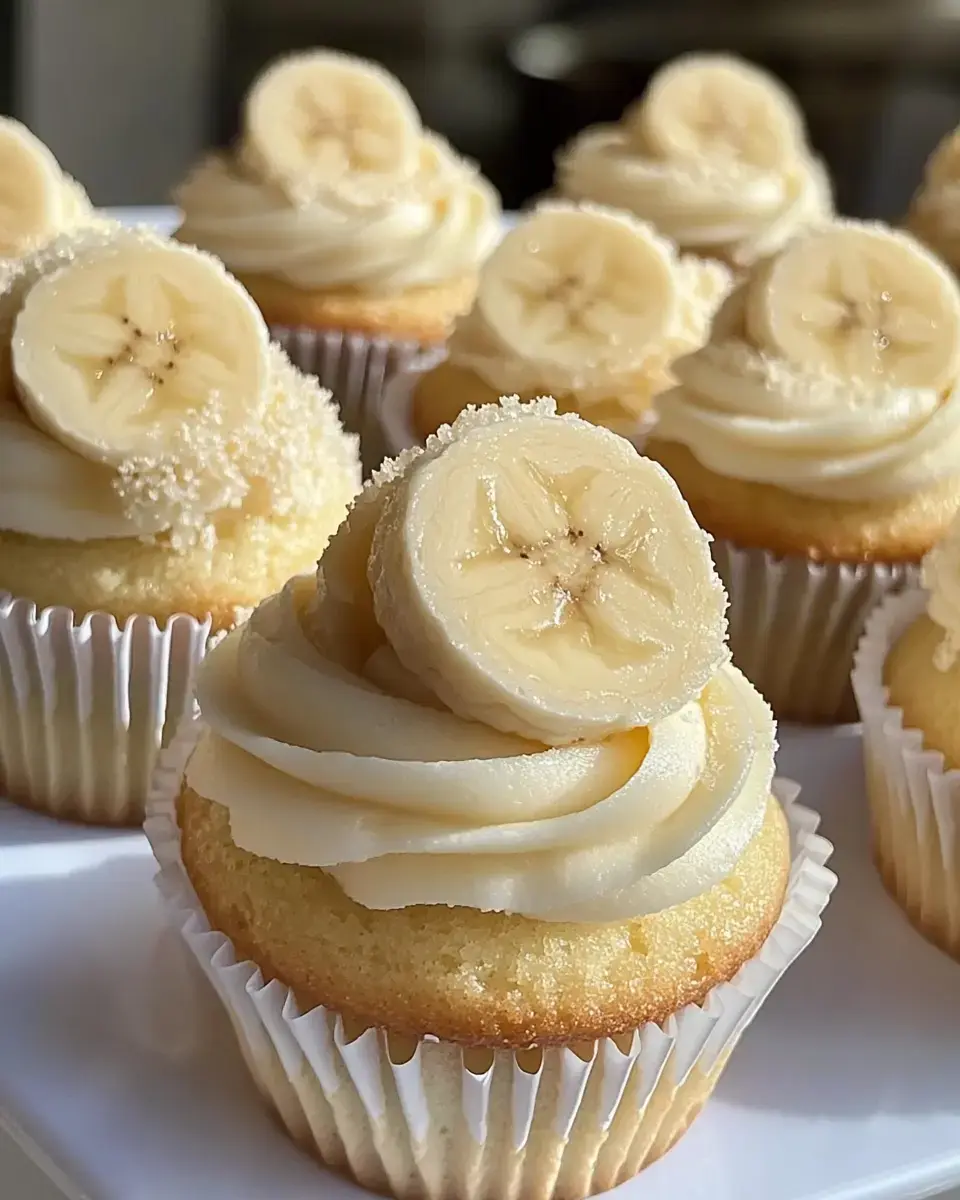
column 40, row 200
column 583, row 301
column 714, row 154
column 335, row 183
column 525, row 706
column 934, row 215
column 143, row 397
column 831, row 371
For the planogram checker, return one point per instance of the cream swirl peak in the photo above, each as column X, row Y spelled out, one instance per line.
column 531, row 712
column 143, row 397
column 583, row 301
column 336, row 184
column 832, row 371
column 714, row 155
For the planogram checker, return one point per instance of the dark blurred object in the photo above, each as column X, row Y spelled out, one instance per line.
column 878, row 81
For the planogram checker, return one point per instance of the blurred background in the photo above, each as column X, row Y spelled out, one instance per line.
column 128, row 92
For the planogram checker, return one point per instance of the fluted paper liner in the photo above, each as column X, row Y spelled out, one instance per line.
column 356, row 369
column 397, row 429
column 430, row 1119
column 85, row 706
column 795, row 623
column 914, row 799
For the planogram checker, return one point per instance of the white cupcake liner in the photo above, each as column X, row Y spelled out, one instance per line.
column 435, row 1120
column 85, row 705
column 914, row 799
column 794, row 625
column 356, row 369
column 397, row 429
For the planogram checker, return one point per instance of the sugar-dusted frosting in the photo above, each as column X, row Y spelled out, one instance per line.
column 286, row 456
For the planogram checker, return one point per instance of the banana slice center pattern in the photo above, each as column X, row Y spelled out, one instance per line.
column 862, row 305
column 112, row 353
column 567, row 592
column 579, row 288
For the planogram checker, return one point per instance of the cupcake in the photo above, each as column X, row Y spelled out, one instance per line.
column 817, row 437
column 934, row 215
column 162, row 468
column 907, row 684
column 714, row 155
column 40, row 199
column 476, row 837
column 578, row 302
column 358, row 233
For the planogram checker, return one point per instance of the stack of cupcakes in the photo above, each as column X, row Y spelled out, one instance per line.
column 358, row 233
column 475, row 837
column 162, row 468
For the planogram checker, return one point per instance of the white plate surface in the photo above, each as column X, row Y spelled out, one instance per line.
column 119, row 1072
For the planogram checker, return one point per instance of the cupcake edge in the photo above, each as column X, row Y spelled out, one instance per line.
column 86, row 703
column 587, row 1117
column 794, row 625
column 913, row 797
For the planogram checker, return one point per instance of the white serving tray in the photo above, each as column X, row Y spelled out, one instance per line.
column 119, row 1074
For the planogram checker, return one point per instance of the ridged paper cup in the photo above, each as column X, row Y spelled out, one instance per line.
column 356, row 369
column 795, row 623
column 914, row 799
column 86, row 704
column 397, row 428
column 431, row 1119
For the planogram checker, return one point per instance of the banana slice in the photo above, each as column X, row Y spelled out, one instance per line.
column 565, row 592
column 713, row 106
column 574, row 286
column 114, row 351
column 859, row 301
column 31, row 191
column 323, row 120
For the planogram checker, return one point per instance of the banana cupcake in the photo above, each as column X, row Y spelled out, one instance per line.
column 476, row 806
column 907, row 684
column 578, row 302
column 40, row 200
column 162, row 468
column 817, row 437
column 357, row 232
column 714, row 154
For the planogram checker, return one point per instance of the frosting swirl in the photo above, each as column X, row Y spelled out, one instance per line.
column 354, row 767
column 751, row 416
column 430, row 229
column 718, row 208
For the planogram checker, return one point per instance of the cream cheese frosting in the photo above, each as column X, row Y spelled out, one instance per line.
column 328, row 752
column 433, row 228
column 405, row 803
column 598, row 391
column 748, row 415
column 288, row 455
column 717, row 208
